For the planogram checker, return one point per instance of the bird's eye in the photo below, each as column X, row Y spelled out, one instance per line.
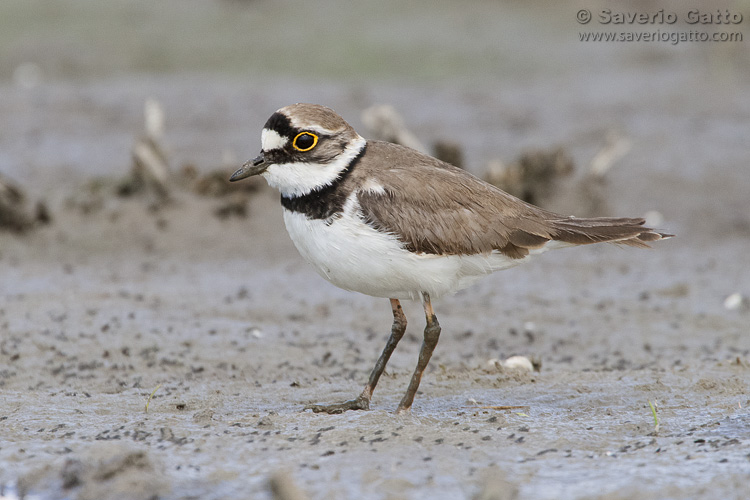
column 305, row 141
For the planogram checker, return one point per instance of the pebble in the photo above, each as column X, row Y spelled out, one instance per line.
column 736, row 302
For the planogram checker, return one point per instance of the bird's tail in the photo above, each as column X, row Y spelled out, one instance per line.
column 621, row 231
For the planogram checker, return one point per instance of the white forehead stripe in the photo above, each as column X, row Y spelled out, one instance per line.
column 270, row 139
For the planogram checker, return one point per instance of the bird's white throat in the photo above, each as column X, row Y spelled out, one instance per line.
column 299, row 178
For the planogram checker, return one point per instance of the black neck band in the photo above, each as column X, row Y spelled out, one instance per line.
column 326, row 201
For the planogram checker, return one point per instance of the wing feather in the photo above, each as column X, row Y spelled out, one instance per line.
column 439, row 209
column 433, row 207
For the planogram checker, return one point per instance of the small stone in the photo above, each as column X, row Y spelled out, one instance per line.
column 521, row 363
column 265, row 421
column 736, row 302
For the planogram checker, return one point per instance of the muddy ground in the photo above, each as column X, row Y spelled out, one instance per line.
column 216, row 317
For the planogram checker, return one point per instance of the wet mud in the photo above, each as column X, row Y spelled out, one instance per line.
column 168, row 350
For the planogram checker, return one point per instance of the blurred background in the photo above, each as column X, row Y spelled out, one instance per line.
column 497, row 78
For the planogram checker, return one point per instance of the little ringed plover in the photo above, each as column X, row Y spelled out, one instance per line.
column 387, row 221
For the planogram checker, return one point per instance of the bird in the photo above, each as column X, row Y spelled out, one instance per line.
column 388, row 221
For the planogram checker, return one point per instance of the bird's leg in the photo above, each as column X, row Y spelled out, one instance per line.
column 363, row 401
column 397, row 332
column 431, row 337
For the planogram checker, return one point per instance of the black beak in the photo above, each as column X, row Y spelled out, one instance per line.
column 255, row 166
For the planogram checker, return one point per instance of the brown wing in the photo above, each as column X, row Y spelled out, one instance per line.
column 435, row 208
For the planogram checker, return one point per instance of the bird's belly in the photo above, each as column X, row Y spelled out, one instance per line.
column 354, row 256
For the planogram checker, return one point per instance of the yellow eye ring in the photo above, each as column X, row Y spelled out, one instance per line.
column 305, row 137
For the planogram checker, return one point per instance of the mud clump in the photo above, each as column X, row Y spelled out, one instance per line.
column 233, row 197
column 283, row 487
column 152, row 177
column 111, row 470
column 386, row 124
column 449, row 152
column 16, row 214
column 535, row 176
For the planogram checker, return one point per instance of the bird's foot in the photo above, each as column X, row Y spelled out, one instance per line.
column 360, row 403
column 403, row 410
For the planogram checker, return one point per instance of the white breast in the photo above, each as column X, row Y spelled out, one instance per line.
column 354, row 256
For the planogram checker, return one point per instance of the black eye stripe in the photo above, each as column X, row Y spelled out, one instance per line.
column 282, row 125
